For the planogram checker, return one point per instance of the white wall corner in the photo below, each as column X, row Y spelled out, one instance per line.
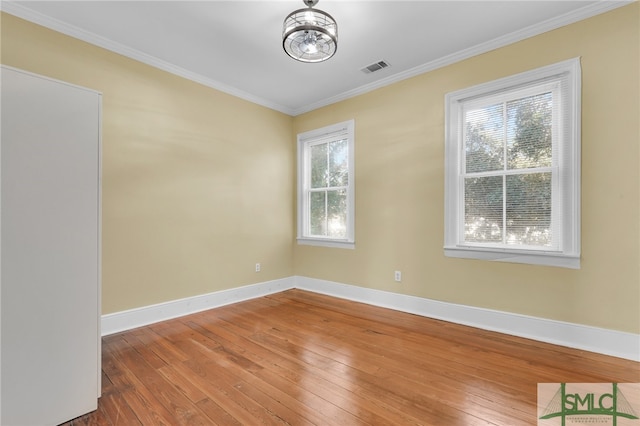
column 138, row 317
column 608, row 342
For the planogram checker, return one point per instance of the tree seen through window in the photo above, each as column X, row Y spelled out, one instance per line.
column 508, row 176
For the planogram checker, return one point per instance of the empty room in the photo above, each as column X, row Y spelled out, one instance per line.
column 320, row 213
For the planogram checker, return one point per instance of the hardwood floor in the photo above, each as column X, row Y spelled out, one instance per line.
column 302, row 358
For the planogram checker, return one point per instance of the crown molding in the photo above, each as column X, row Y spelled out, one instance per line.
column 38, row 18
column 589, row 11
column 551, row 24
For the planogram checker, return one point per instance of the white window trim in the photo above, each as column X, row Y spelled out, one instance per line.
column 347, row 128
column 568, row 255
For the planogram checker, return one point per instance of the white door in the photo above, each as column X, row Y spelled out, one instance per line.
column 50, row 237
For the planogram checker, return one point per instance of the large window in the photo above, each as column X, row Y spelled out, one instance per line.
column 325, row 186
column 513, row 168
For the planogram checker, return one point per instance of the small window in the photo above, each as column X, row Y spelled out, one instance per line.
column 326, row 186
column 512, row 160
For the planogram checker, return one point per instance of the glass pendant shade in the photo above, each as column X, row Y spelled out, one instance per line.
column 310, row 35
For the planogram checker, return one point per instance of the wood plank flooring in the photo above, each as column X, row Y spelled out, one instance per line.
column 301, row 358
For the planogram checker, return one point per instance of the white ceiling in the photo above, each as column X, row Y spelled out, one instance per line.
column 236, row 46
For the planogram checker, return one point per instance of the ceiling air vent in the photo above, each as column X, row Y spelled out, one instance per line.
column 375, row 67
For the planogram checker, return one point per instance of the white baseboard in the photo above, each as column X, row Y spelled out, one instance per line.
column 127, row 320
column 593, row 339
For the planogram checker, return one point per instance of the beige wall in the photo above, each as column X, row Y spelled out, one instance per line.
column 400, row 180
column 198, row 186
column 196, row 183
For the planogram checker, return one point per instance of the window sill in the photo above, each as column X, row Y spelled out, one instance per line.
column 527, row 257
column 327, row 243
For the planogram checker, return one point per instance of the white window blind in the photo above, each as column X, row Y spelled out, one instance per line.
column 512, row 168
column 508, row 169
column 325, row 186
column 327, row 177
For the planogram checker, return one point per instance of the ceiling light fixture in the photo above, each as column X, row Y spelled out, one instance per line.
column 310, row 35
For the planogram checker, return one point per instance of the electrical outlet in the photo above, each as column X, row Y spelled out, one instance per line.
column 257, row 267
column 397, row 276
